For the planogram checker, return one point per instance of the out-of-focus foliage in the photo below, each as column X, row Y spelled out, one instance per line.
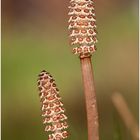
column 35, row 37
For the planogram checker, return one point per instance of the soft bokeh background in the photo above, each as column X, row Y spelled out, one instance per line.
column 35, row 37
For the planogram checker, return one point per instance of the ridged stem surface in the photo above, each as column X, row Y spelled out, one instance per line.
column 90, row 97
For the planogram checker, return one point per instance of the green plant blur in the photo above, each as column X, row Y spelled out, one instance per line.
column 35, row 37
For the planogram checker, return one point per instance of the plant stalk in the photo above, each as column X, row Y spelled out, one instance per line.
column 126, row 114
column 90, row 97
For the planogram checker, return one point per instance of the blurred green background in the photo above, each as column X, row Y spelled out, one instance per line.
column 35, row 37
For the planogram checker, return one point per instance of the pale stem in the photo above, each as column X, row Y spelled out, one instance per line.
column 126, row 115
